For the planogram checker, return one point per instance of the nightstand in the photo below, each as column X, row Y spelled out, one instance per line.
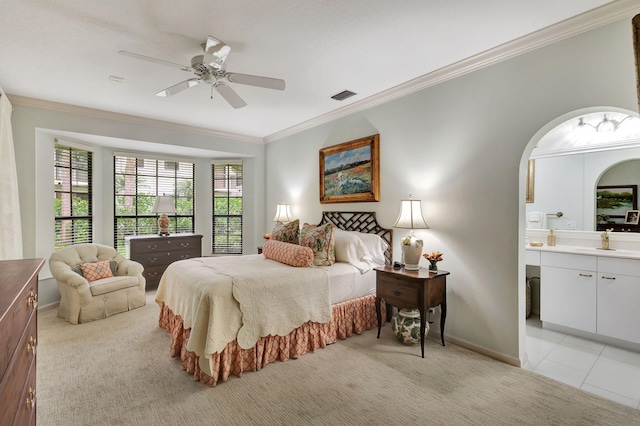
column 422, row 289
column 259, row 249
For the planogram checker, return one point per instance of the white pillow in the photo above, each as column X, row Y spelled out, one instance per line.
column 376, row 246
column 351, row 249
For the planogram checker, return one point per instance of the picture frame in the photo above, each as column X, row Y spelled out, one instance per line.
column 350, row 171
column 530, row 180
column 613, row 201
column 632, row 217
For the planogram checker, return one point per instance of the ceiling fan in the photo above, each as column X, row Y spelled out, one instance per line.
column 210, row 68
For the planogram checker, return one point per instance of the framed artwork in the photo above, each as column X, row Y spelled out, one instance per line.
column 350, row 171
column 530, row 180
column 614, row 201
column 631, row 218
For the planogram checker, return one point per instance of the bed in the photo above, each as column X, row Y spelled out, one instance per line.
column 220, row 325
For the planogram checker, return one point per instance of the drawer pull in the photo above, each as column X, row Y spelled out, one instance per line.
column 153, row 260
column 155, row 246
column 185, row 256
column 31, row 345
column 152, row 274
column 586, row 275
column 31, row 398
column 32, row 300
column 608, row 278
column 184, row 244
column 396, row 293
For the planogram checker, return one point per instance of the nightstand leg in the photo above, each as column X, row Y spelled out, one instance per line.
column 443, row 316
column 423, row 319
column 378, row 315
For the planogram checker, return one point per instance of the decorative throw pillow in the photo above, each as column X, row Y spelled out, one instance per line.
column 96, row 270
column 287, row 232
column 112, row 266
column 321, row 240
column 287, row 253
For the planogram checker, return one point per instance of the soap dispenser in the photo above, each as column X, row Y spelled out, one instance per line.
column 551, row 238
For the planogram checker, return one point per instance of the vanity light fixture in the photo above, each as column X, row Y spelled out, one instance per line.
column 606, row 125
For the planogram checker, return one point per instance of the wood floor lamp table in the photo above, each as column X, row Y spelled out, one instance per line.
column 421, row 289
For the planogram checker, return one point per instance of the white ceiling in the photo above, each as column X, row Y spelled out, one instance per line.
column 66, row 50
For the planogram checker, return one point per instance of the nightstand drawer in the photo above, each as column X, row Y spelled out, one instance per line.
column 397, row 293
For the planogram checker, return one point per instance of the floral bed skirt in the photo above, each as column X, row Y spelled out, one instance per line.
column 353, row 316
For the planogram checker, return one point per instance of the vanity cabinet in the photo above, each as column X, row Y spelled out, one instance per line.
column 568, row 290
column 618, row 297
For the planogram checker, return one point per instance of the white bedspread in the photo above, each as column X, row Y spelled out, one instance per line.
column 242, row 297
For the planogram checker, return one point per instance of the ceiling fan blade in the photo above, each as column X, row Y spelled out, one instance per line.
column 230, row 95
column 177, row 88
column 255, row 80
column 215, row 52
column 155, row 60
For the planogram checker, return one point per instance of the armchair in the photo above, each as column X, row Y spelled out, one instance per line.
column 82, row 300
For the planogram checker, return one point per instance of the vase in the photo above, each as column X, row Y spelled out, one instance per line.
column 412, row 253
column 433, row 266
column 406, row 326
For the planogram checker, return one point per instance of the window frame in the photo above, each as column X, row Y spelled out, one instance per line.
column 89, row 217
column 229, row 248
column 146, row 222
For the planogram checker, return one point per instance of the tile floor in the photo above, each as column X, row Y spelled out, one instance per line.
column 595, row 367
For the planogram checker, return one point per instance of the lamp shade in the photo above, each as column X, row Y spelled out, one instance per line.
column 283, row 213
column 411, row 215
column 163, row 204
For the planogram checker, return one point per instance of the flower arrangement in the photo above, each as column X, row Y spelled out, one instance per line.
column 266, row 236
column 406, row 241
column 434, row 257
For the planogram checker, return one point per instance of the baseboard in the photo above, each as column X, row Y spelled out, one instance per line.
column 48, row 307
column 499, row 356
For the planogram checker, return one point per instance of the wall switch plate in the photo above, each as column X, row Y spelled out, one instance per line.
column 571, row 224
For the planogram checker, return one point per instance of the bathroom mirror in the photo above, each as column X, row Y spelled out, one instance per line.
column 573, row 159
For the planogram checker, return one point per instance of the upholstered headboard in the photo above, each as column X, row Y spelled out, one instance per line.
column 362, row 222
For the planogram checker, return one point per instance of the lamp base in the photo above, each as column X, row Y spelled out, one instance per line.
column 163, row 224
column 411, row 267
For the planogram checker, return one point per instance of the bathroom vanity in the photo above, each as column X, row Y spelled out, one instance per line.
column 589, row 290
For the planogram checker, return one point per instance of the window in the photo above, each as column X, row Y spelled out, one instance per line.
column 137, row 182
column 72, row 170
column 227, row 208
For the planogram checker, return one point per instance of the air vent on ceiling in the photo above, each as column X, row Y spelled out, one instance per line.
column 343, row 95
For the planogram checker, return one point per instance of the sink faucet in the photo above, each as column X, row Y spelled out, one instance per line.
column 605, row 238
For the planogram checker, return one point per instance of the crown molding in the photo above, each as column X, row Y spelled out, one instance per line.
column 109, row 115
column 576, row 25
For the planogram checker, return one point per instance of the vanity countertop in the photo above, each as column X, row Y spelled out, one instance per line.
column 589, row 251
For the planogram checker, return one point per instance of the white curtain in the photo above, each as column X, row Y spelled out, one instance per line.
column 10, row 225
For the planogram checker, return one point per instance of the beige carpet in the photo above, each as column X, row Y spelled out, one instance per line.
column 117, row 371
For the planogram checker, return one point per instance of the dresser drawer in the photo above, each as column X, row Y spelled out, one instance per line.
column 26, row 412
column 13, row 323
column 397, row 292
column 13, row 381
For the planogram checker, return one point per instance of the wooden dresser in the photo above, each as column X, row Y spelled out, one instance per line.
column 155, row 253
column 18, row 340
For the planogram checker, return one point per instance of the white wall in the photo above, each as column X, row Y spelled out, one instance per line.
column 462, row 147
column 35, row 130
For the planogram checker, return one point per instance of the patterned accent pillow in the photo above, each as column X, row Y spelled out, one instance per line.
column 287, row 253
column 321, row 240
column 287, row 232
column 112, row 265
column 96, row 270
